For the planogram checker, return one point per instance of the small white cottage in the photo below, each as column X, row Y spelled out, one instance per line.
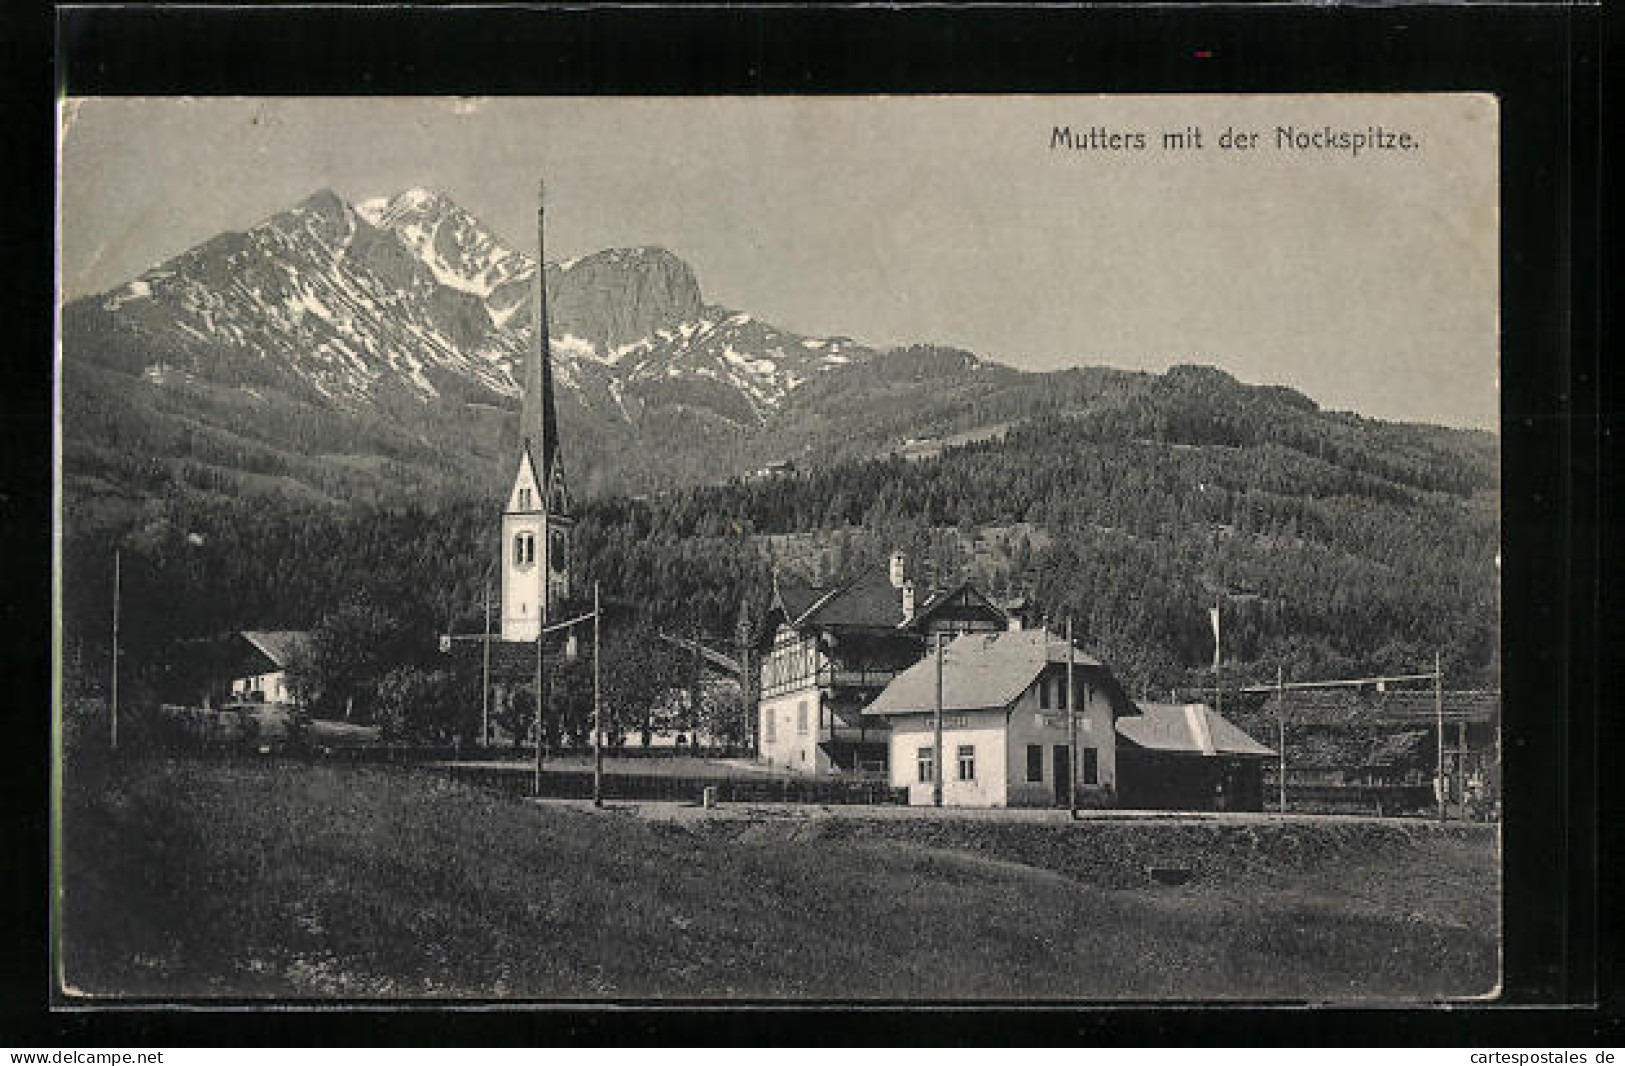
column 262, row 659
column 1005, row 737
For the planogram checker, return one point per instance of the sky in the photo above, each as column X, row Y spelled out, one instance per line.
column 1368, row 282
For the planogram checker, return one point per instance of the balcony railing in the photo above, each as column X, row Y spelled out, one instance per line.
column 845, row 677
column 842, row 733
column 832, row 677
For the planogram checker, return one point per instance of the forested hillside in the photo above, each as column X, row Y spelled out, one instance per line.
column 1333, row 543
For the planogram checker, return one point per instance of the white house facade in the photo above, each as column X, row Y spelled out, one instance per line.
column 261, row 674
column 829, row 652
column 1006, row 741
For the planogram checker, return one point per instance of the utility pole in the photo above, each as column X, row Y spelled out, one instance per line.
column 1438, row 715
column 936, row 762
column 597, row 711
column 541, row 633
column 112, row 702
column 485, row 669
column 694, row 687
column 1280, row 731
column 1071, row 723
column 747, row 687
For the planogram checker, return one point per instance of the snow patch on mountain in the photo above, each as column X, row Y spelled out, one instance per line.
column 569, row 345
column 400, row 295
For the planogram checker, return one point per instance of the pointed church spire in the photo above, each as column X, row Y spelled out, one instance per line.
column 538, row 422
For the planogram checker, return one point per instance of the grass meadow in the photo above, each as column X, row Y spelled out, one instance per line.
column 187, row 879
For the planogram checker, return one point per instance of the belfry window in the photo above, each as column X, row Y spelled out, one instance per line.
column 524, row 548
column 524, row 499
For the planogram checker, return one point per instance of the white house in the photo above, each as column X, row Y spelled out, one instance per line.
column 1005, row 737
column 260, row 673
column 825, row 653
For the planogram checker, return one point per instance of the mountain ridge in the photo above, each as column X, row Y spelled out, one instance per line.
column 351, row 352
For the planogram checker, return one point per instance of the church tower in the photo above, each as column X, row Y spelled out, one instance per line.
column 536, row 521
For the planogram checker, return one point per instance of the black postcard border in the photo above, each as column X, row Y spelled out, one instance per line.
column 1541, row 62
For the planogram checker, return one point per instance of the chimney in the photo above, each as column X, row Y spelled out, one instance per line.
column 908, row 600
column 899, row 570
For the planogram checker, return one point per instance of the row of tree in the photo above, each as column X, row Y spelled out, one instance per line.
column 1324, row 565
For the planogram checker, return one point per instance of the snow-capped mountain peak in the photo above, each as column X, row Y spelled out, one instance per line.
column 412, row 296
column 461, row 250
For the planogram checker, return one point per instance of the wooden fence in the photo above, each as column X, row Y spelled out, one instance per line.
column 577, row 784
column 1382, row 800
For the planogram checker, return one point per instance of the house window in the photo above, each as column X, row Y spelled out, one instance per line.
column 928, row 766
column 769, row 720
column 967, row 762
column 1060, row 691
column 1043, row 693
column 801, row 718
column 1091, row 766
column 1035, row 762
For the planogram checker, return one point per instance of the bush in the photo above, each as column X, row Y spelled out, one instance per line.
column 416, row 706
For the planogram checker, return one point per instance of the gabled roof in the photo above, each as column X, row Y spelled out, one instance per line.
column 281, row 646
column 988, row 671
column 792, row 596
column 871, row 600
column 946, row 597
column 548, row 485
column 1191, row 728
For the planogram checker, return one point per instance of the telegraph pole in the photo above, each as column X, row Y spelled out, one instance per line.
column 694, row 688
column 541, row 633
column 1438, row 715
column 485, row 669
column 1071, row 723
column 1280, row 731
column 936, row 762
column 597, row 711
column 112, row 702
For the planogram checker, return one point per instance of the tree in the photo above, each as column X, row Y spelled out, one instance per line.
column 350, row 652
column 515, row 713
column 638, row 674
column 724, row 715
column 416, row 706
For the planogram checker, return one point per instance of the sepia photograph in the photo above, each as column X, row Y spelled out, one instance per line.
column 878, row 549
